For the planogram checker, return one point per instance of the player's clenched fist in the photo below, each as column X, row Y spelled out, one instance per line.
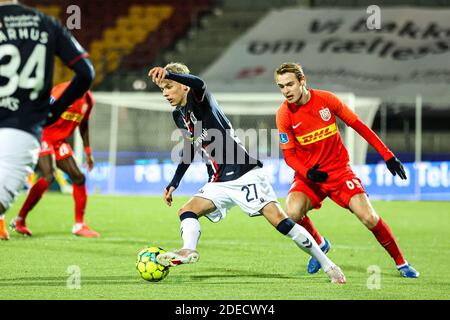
column 157, row 74
column 89, row 162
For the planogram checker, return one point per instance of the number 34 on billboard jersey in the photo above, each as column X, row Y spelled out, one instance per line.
column 24, row 80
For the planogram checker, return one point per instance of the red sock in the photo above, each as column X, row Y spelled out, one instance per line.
column 80, row 197
column 386, row 238
column 308, row 225
column 33, row 197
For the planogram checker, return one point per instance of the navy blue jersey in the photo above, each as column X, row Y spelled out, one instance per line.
column 29, row 41
column 203, row 122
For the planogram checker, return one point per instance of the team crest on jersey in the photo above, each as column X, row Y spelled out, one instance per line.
column 325, row 114
column 193, row 118
column 284, row 138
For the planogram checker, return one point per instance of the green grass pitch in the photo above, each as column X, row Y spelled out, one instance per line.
column 240, row 257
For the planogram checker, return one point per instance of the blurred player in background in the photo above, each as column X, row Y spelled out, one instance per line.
column 312, row 146
column 235, row 178
column 30, row 40
column 60, row 178
column 54, row 144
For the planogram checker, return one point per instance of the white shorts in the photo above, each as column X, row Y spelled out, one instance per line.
column 18, row 156
column 251, row 192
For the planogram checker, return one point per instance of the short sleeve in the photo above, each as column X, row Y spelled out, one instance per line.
column 341, row 109
column 284, row 128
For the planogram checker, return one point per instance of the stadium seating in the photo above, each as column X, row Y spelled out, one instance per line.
column 123, row 34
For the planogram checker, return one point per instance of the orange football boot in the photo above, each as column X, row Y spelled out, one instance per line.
column 3, row 232
column 20, row 227
column 83, row 230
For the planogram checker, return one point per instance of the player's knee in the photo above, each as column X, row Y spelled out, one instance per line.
column 49, row 177
column 184, row 209
column 296, row 213
column 79, row 179
column 369, row 219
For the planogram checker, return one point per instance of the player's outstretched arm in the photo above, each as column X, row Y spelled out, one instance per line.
column 74, row 57
column 179, row 173
column 197, row 85
column 189, row 80
column 351, row 119
column 394, row 165
column 292, row 161
column 287, row 145
column 84, row 132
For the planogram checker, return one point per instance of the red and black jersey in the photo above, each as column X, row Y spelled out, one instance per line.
column 210, row 133
column 311, row 132
column 71, row 118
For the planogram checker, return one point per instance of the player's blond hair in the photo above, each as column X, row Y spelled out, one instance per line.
column 290, row 67
column 177, row 67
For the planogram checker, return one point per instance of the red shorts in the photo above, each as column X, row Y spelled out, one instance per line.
column 340, row 187
column 61, row 149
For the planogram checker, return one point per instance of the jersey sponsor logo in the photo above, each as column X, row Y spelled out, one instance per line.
column 72, row 116
column 318, row 135
column 22, row 21
column 296, row 126
column 199, row 140
column 325, row 114
column 284, row 138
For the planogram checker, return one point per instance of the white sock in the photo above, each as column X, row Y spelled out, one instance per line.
column 190, row 232
column 302, row 239
column 2, row 216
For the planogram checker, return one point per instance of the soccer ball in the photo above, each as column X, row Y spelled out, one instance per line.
column 148, row 267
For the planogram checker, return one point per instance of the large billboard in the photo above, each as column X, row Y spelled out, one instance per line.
column 426, row 180
column 408, row 54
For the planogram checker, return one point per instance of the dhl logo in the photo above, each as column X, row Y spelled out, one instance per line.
column 71, row 116
column 318, row 134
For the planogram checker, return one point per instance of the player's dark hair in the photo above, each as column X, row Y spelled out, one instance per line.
column 291, row 67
